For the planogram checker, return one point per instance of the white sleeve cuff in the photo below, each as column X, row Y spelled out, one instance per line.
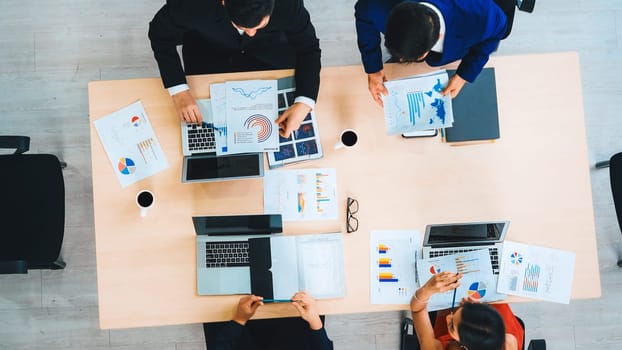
column 309, row 102
column 178, row 88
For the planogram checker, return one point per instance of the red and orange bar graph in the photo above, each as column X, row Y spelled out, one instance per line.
column 387, row 277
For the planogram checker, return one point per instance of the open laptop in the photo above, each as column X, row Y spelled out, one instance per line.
column 446, row 239
column 222, row 250
column 201, row 164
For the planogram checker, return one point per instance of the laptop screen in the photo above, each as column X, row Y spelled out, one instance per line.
column 238, row 224
column 206, row 167
column 466, row 233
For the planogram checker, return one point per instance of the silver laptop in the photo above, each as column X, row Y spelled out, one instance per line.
column 201, row 164
column 222, row 250
column 447, row 239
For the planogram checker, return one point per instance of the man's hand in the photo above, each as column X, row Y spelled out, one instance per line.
column 454, row 86
column 246, row 308
column 290, row 119
column 187, row 107
column 375, row 83
column 307, row 308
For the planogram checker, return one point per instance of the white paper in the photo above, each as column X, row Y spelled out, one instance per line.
column 320, row 261
column 301, row 194
column 536, row 272
column 415, row 103
column 219, row 117
column 251, row 111
column 131, row 144
column 393, row 256
column 477, row 281
column 285, row 266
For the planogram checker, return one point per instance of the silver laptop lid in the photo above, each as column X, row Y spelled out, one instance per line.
column 465, row 234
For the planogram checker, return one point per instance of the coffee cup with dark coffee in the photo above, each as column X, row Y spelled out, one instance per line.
column 144, row 200
column 348, row 139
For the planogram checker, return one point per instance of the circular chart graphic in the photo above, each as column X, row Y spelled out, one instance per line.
column 263, row 123
column 135, row 120
column 516, row 258
column 434, row 269
column 126, row 166
column 477, row 290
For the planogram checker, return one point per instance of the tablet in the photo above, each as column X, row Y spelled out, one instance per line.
column 209, row 167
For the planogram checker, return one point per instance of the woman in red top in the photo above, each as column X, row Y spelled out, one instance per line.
column 472, row 326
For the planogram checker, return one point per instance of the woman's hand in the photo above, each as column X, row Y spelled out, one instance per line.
column 307, row 308
column 247, row 306
column 439, row 283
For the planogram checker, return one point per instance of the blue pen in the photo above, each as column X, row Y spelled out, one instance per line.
column 278, row 300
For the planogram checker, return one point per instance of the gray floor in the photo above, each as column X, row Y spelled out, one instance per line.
column 51, row 49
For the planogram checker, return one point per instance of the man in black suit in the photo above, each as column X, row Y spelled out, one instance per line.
column 220, row 36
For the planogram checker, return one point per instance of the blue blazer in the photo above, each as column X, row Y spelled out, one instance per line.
column 473, row 29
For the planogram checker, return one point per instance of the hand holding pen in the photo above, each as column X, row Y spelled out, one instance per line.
column 307, row 307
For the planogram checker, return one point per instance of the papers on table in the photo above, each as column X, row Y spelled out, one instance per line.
column 243, row 114
column 320, row 261
column 415, row 103
column 536, row 272
column 131, row 144
column 392, row 265
column 301, row 194
column 251, row 116
column 478, row 281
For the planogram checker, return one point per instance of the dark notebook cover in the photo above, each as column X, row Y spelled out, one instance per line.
column 476, row 116
column 260, row 259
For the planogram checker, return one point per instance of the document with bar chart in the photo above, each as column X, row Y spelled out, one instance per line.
column 393, row 255
column 301, row 194
column 415, row 103
column 536, row 272
column 131, row 144
column 478, row 281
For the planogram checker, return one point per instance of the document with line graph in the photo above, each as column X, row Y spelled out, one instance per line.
column 251, row 112
column 536, row 272
column 415, row 103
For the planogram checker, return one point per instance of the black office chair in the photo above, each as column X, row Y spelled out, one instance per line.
column 32, row 208
column 410, row 342
column 509, row 8
column 615, row 177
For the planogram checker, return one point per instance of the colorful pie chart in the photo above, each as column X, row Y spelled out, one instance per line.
column 126, row 166
column 135, row 121
column 477, row 290
column 434, row 269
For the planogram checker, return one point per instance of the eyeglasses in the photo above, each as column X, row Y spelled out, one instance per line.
column 352, row 223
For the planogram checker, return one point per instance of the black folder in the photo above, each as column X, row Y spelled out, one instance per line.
column 476, row 116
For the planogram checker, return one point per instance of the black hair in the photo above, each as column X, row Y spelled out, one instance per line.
column 248, row 13
column 481, row 327
column 411, row 31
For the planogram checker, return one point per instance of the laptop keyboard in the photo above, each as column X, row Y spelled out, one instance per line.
column 226, row 254
column 494, row 255
column 201, row 137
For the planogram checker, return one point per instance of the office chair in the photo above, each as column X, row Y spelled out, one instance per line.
column 615, row 177
column 32, row 208
column 509, row 8
column 410, row 341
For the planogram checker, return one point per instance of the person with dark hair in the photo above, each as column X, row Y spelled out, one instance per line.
column 304, row 333
column 437, row 32
column 472, row 326
column 223, row 36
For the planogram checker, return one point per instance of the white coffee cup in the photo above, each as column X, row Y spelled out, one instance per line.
column 144, row 200
column 348, row 139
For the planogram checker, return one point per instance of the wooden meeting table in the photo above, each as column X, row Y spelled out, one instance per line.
column 536, row 176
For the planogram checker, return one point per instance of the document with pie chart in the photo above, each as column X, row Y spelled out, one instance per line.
column 131, row 144
column 478, row 281
column 251, row 112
